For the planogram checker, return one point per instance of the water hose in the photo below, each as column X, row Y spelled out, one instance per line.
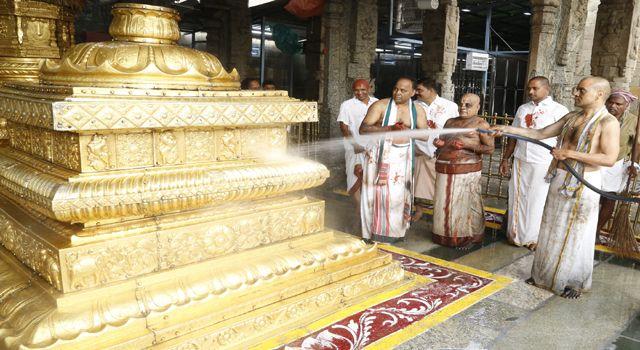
column 608, row 195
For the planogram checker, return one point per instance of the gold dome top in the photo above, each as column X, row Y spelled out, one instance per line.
column 143, row 54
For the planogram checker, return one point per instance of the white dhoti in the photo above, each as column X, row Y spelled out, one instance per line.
column 527, row 196
column 458, row 212
column 425, row 177
column 615, row 177
column 564, row 257
column 351, row 159
column 386, row 212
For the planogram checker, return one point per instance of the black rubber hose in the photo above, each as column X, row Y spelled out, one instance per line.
column 608, row 195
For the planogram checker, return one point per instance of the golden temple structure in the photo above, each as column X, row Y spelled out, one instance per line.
column 147, row 202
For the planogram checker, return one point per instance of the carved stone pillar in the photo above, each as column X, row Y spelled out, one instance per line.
column 229, row 33
column 560, row 37
column 615, row 49
column 584, row 56
column 364, row 39
column 333, row 65
column 240, row 36
column 543, row 36
column 440, row 44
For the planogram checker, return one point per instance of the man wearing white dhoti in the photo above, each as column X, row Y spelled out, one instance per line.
column 458, row 214
column 352, row 112
column 588, row 139
column 527, row 186
column 387, row 185
column 616, row 176
column 438, row 111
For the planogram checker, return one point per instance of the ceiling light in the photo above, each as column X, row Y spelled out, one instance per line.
column 465, row 10
column 527, row 13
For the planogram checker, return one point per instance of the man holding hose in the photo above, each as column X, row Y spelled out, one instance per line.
column 587, row 139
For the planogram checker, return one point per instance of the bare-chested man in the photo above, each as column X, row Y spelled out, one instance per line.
column 587, row 139
column 387, row 185
column 458, row 214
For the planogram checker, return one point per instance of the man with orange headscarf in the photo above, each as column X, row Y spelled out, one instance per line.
column 352, row 112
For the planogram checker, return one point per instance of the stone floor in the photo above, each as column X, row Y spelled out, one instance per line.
column 521, row 316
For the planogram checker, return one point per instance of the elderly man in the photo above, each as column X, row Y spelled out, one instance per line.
column 352, row 112
column 588, row 139
column 527, row 187
column 387, row 185
column 618, row 105
column 438, row 110
column 458, row 212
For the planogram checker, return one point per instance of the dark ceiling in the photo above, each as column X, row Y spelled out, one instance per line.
column 510, row 25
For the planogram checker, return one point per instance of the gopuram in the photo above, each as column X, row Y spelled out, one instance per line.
column 147, row 202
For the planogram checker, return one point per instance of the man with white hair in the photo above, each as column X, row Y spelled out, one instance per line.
column 617, row 175
column 588, row 139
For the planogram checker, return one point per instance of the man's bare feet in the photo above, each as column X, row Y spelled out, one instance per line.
column 415, row 216
column 532, row 246
column 570, row 293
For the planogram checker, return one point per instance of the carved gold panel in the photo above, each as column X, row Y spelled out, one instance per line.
column 159, row 245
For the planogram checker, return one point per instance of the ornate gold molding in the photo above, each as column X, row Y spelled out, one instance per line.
column 161, row 244
column 152, row 191
column 51, row 109
column 208, row 293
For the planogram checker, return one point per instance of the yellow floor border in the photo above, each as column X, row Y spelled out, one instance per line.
column 401, row 336
column 417, row 328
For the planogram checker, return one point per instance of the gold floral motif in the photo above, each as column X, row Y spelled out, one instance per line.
column 97, row 152
column 167, row 148
column 228, row 146
column 96, row 266
column 66, row 150
column 215, row 239
column 134, row 150
column 200, row 146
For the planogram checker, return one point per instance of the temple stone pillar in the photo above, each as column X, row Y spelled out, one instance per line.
column 229, row 34
column 440, row 44
column 560, row 38
column 240, row 36
column 349, row 40
column 617, row 40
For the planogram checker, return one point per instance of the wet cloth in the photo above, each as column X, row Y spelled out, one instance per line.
column 458, row 211
column 564, row 256
column 527, row 196
column 386, row 208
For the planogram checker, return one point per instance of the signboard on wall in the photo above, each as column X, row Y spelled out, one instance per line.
column 478, row 61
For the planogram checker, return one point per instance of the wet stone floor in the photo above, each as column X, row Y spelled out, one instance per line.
column 521, row 316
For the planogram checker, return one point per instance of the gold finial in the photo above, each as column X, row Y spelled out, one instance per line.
column 143, row 54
